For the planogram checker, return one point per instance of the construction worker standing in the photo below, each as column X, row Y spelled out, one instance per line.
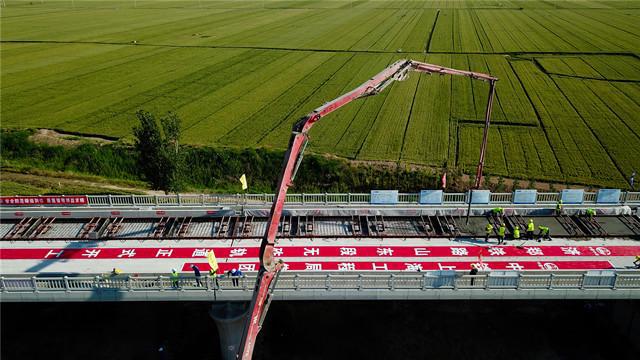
column 559, row 207
column 530, row 229
column 501, row 231
column 488, row 231
column 544, row 233
column 175, row 278
column 516, row 233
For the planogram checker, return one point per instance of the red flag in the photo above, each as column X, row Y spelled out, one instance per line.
column 444, row 180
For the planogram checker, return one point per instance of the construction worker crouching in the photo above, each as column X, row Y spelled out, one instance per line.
column 499, row 212
column 488, row 232
column 590, row 212
column 115, row 272
column 531, row 228
column 636, row 262
column 501, row 232
column 544, row 233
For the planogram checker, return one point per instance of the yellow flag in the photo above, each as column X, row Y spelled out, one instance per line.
column 213, row 262
column 243, row 180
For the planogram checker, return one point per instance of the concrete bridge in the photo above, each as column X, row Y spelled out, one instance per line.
column 378, row 246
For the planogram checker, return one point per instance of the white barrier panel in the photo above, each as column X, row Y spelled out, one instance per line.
column 525, row 196
column 608, row 196
column 384, row 196
column 480, row 196
column 433, row 197
column 573, row 196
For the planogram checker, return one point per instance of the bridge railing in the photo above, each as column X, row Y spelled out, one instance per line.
column 455, row 199
column 290, row 281
column 450, row 199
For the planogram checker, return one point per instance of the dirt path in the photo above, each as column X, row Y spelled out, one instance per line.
column 50, row 181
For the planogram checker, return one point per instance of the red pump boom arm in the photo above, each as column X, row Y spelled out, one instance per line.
column 268, row 268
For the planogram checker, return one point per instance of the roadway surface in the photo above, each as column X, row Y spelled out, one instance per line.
column 154, row 256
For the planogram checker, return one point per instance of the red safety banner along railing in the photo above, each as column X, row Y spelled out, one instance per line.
column 44, row 200
column 352, row 252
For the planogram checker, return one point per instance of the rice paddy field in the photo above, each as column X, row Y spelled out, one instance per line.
column 240, row 73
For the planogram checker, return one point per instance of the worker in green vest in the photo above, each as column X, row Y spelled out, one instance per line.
column 559, row 207
column 544, row 233
column 516, row 233
column 175, row 278
column 590, row 213
column 488, row 231
column 501, row 231
column 530, row 229
column 499, row 212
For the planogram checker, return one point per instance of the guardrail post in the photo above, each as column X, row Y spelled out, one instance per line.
column 327, row 282
column 550, row 281
column 66, row 284
column 34, row 283
column 303, row 196
column 392, row 282
column 202, row 199
column 2, row 286
column 133, row 199
column 110, row 201
column 424, row 281
column 455, row 281
column 519, row 281
column 244, row 282
column 584, row 276
column 615, row 281
column 326, row 198
column 129, row 283
column 179, row 199
column 160, row 283
column 295, row 282
column 359, row 282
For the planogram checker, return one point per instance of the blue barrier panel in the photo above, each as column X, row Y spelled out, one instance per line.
column 431, row 197
column 572, row 196
column 525, row 196
column 608, row 196
column 480, row 196
column 384, row 196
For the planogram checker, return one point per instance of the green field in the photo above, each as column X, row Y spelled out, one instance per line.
column 239, row 73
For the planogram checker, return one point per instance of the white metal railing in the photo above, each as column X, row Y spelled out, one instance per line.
column 290, row 281
column 626, row 198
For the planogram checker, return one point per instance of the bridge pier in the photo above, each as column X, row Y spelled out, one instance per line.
column 230, row 318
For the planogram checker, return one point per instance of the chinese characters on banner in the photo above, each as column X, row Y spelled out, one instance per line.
column 44, row 200
column 346, row 253
column 423, row 266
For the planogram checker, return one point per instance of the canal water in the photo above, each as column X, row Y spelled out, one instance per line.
column 329, row 330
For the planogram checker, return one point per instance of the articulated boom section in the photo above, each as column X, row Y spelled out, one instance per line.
column 397, row 71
